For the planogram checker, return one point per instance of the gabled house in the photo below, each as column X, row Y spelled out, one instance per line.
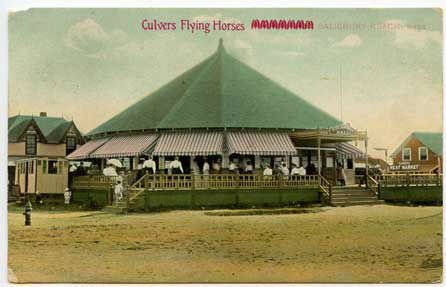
column 420, row 152
column 41, row 139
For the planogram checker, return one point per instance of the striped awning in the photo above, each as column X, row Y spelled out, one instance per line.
column 348, row 150
column 194, row 143
column 86, row 149
column 260, row 143
column 130, row 145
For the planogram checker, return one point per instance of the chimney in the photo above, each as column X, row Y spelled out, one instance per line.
column 43, row 114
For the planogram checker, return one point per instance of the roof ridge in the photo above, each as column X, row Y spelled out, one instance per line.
column 178, row 103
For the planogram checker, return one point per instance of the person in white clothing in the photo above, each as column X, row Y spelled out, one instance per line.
column 295, row 170
column 150, row 164
column 249, row 168
column 302, row 170
column 267, row 171
column 176, row 167
column 232, row 167
column 206, row 167
column 285, row 170
column 67, row 196
column 118, row 191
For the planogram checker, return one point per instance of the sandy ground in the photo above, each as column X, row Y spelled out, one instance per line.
column 353, row 244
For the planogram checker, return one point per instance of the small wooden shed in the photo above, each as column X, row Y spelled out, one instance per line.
column 46, row 175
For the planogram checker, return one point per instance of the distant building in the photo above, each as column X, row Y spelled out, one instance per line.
column 46, row 139
column 420, row 152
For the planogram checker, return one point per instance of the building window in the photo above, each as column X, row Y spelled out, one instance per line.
column 422, row 153
column 52, row 167
column 71, row 144
column 43, row 166
column 407, row 154
column 31, row 144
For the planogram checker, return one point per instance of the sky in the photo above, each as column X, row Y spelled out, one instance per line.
column 90, row 64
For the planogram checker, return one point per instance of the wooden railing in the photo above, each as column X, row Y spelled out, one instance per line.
column 222, row 181
column 325, row 188
column 426, row 179
column 373, row 185
column 96, row 181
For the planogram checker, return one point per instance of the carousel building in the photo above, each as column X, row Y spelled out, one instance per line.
column 222, row 111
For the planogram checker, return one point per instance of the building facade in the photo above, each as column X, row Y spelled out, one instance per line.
column 39, row 141
column 226, row 113
column 420, row 152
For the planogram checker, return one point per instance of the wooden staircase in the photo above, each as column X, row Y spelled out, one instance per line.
column 353, row 195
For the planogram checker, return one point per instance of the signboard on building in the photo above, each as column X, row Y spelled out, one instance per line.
column 404, row 167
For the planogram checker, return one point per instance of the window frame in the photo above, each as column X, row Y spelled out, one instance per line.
column 410, row 154
column 67, row 149
column 27, row 144
column 419, row 153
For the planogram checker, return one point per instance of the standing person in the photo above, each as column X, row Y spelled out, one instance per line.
column 249, row 168
column 268, row 172
column 277, row 170
column 118, row 191
column 294, row 170
column 344, row 176
column 150, row 164
column 81, row 169
column 232, row 167
column 206, row 167
column 176, row 166
column 302, row 170
column 216, row 166
column 67, row 196
column 284, row 169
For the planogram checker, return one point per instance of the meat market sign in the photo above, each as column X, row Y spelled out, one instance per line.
column 400, row 167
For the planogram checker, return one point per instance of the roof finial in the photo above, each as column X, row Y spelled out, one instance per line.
column 220, row 43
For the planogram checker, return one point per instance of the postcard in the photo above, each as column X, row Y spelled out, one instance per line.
column 225, row 145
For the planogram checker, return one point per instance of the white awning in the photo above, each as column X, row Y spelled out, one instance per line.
column 260, row 143
column 193, row 143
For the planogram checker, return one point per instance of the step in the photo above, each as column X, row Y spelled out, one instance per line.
column 352, row 203
column 352, row 195
column 115, row 209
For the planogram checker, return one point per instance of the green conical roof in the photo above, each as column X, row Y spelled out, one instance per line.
column 220, row 92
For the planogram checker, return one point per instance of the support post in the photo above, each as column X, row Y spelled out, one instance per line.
column 366, row 161
column 319, row 156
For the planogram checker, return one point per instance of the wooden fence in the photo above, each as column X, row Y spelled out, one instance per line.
column 223, row 181
column 415, row 179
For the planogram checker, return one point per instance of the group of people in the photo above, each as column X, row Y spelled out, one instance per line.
column 282, row 169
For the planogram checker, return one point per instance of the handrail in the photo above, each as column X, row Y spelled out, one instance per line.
column 373, row 185
column 324, row 184
column 222, row 181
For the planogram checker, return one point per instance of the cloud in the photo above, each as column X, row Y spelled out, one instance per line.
column 417, row 38
column 90, row 38
column 351, row 40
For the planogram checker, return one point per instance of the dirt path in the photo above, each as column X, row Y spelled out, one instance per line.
column 354, row 244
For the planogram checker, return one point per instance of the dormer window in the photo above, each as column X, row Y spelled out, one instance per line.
column 31, row 143
column 71, row 144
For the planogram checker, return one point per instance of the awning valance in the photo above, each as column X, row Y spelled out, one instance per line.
column 85, row 150
column 194, row 143
column 260, row 143
column 349, row 151
column 123, row 146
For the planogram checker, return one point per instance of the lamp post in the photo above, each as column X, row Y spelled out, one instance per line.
column 385, row 154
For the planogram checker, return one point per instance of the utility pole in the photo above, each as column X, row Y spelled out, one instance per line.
column 385, row 154
column 340, row 89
